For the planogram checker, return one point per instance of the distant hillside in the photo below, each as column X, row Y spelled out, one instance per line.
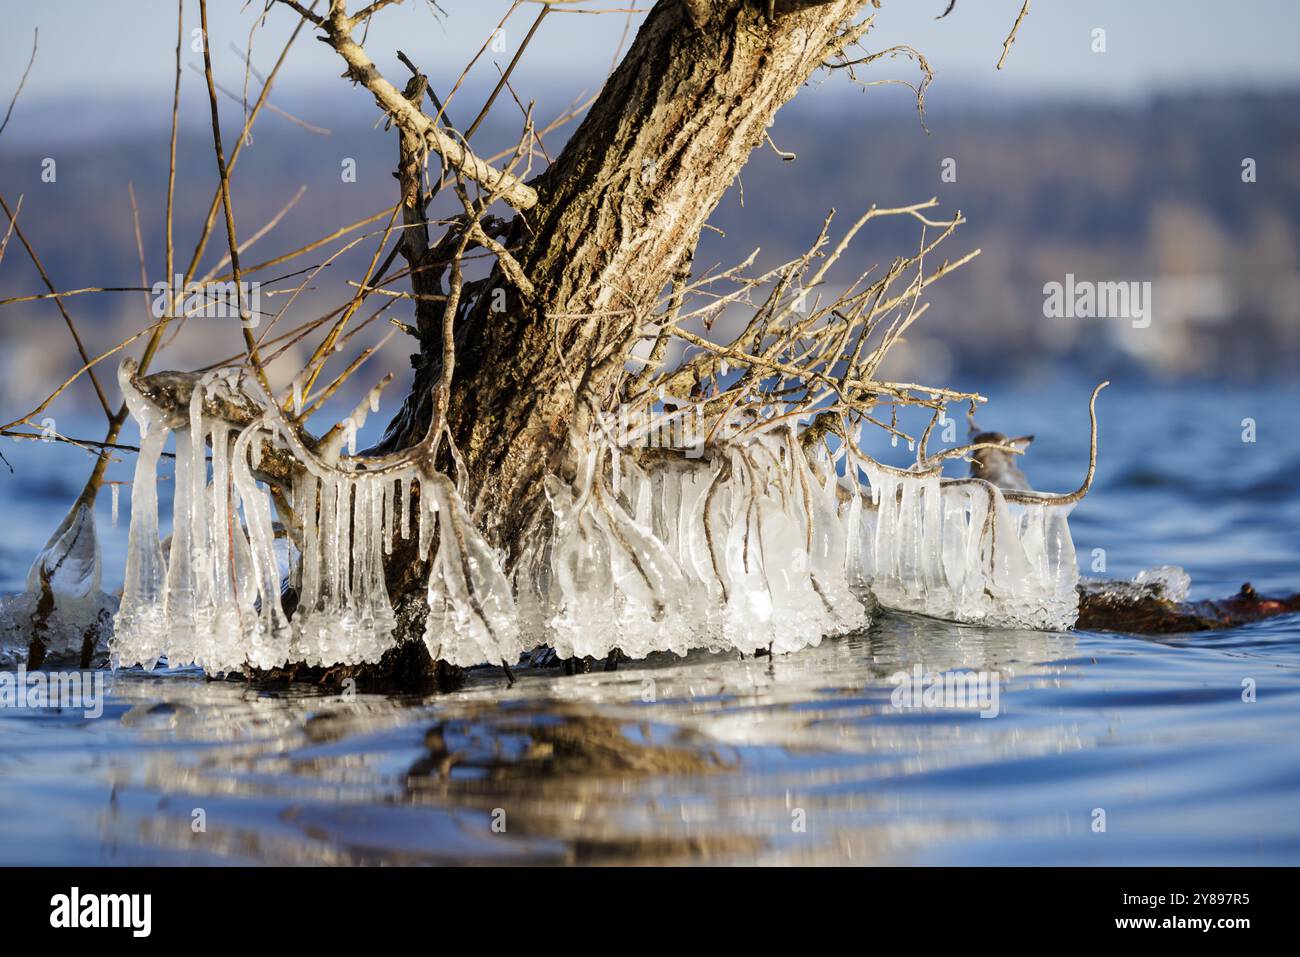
column 1105, row 193
column 1150, row 192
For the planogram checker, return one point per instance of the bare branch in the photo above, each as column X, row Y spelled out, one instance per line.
column 72, row 326
column 22, row 82
column 338, row 34
column 1011, row 37
column 224, row 173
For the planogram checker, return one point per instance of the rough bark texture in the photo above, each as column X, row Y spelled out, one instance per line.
column 617, row 213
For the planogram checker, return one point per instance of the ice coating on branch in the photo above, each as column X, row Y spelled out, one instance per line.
column 751, row 545
column 471, row 608
column 740, row 551
column 215, row 599
column 62, row 607
column 69, row 562
column 956, row 549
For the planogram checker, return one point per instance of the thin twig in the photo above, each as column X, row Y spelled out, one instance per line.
column 222, row 171
column 1011, row 37
column 72, row 326
column 23, row 82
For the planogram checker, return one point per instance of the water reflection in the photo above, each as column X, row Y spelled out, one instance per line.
column 708, row 758
column 800, row 759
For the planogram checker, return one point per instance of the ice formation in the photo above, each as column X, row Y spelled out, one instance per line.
column 63, row 604
column 957, row 549
column 752, row 545
column 215, row 599
column 744, row 550
column 1169, row 583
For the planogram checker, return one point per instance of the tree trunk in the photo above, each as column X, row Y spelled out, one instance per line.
column 618, row 212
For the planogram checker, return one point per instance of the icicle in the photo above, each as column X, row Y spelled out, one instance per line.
column 203, row 576
column 957, row 550
column 471, row 608
column 268, row 644
column 306, row 622
column 230, row 571
column 113, row 489
column 428, row 517
column 345, row 627
column 759, row 545
column 380, row 605
column 140, row 628
column 580, row 566
column 404, row 505
column 386, row 514
column 179, row 603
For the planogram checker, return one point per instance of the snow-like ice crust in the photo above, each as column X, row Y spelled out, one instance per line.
column 750, row 546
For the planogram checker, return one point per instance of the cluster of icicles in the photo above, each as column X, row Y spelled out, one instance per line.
column 215, row 598
column 752, row 546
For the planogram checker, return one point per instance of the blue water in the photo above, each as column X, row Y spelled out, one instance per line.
column 799, row 759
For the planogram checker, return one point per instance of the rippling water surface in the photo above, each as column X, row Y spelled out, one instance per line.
column 800, row 759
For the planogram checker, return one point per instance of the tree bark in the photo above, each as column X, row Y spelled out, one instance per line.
column 618, row 212
column 617, row 217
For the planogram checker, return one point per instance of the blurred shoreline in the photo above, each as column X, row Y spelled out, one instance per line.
column 1150, row 191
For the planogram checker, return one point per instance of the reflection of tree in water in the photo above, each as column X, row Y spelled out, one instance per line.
column 583, row 768
column 566, row 743
column 557, row 774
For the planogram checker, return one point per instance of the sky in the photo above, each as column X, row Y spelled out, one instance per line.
column 107, row 53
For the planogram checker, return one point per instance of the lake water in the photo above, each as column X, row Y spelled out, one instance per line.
column 801, row 759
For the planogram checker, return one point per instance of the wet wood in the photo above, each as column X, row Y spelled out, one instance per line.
column 1152, row 615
